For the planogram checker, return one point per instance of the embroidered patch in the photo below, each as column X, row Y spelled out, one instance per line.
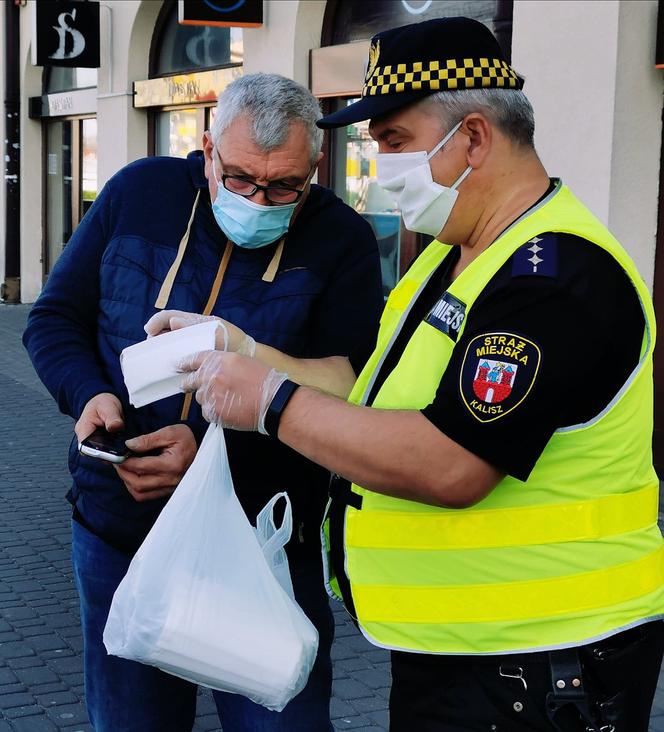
column 498, row 372
column 538, row 257
column 447, row 315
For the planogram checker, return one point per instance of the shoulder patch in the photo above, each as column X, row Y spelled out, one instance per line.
column 497, row 374
column 447, row 315
column 538, row 257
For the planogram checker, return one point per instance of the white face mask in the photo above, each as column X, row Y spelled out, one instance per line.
column 425, row 205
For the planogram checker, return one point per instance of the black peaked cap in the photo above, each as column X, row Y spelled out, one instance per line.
column 413, row 61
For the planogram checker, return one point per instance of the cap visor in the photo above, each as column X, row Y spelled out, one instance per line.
column 368, row 108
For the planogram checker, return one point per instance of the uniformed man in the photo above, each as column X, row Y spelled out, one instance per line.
column 494, row 521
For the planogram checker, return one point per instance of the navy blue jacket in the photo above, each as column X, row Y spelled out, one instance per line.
column 325, row 300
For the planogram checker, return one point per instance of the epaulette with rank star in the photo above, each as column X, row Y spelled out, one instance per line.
column 538, row 256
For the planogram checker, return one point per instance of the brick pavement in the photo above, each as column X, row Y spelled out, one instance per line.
column 41, row 680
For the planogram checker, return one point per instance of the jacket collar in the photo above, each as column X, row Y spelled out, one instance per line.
column 196, row 163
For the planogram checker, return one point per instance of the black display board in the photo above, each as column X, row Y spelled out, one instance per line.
column 66, row 33
column 235, row 13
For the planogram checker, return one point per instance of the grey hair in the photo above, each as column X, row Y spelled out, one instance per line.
column 508, row 109
column 271, row 103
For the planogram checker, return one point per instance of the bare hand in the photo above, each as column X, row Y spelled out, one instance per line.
column 148, row 478
column 103, row 410
column 233, row 391
column 228, row 336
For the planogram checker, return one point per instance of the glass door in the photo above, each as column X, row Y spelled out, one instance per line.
column 71, row 181
column 59, row 218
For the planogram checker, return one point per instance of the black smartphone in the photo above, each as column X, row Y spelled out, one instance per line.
column 105, row 445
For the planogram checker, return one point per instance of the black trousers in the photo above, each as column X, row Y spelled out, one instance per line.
column 485, row 694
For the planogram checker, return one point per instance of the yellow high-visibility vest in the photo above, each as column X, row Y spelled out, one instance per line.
column 571, row 555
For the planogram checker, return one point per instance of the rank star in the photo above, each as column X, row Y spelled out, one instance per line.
column 535, row 260
column 534, row 249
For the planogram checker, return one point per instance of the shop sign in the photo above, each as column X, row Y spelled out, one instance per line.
column 234, row 13
column 64, row 104
column 66, row 33
column 203, row 86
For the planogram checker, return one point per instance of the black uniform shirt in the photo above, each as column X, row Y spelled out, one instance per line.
column 572, row 326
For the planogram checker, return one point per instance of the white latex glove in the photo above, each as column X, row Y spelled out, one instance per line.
column 233, row 391
column 229, row 337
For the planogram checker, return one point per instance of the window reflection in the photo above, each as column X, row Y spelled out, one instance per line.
column 194, row 48
column 178, row 132
column 356, row 183
column 88, row 162
column 355, row 20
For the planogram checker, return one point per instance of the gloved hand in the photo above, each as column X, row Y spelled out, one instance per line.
column 233, row 391
column 228, row 338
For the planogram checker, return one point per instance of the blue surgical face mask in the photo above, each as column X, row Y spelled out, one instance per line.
column 248, row 224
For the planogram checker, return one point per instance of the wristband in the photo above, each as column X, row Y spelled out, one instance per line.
column 277, row 406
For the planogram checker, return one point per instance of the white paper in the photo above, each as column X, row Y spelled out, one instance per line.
column 150, row 369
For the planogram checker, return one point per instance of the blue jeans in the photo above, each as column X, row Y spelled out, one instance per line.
column 125, row 696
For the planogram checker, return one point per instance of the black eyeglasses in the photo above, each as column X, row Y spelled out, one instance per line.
column 274, row 194
column 247, row 188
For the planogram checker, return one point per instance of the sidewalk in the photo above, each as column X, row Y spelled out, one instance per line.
column 41, row 679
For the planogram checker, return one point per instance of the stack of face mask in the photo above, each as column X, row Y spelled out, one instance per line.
column 238, row 651
column 150, row 368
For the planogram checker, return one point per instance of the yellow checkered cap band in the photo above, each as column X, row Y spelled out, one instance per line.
column 465, row 73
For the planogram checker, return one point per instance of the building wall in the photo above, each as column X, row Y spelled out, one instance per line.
column 292, row 28
column 598, row 107
column 637, row 135
column 121, row 129
column 32, row 174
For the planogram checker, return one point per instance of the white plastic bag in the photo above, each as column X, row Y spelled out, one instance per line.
column 201, row 601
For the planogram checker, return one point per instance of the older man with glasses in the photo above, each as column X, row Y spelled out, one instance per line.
column 237, row 232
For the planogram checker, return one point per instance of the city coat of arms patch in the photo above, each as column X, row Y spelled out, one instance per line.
column 497, row 374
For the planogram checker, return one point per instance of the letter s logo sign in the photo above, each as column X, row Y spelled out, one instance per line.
column 78, row 41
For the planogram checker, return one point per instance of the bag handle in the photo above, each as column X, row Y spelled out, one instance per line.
column 271, row 538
